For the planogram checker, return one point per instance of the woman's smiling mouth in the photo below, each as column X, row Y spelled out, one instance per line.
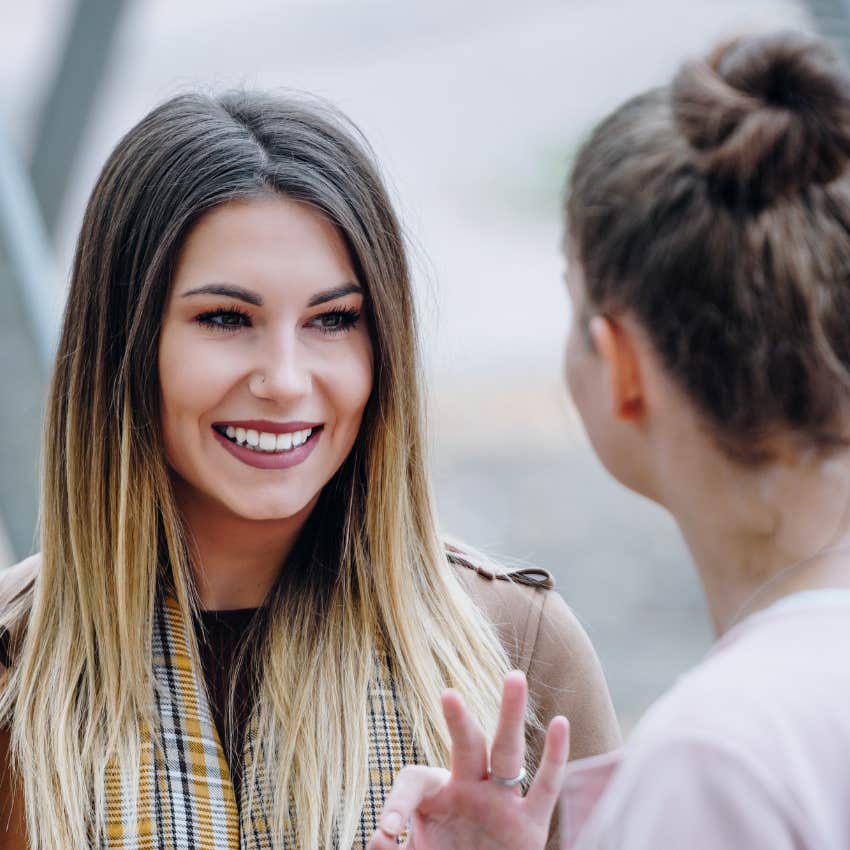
column 269, row 445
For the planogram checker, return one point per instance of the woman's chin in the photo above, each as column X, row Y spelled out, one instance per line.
column 224, row 501
column 270, row 513
column 252, row 509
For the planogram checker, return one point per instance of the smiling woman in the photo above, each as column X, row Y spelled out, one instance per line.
column 265, row 362
column 243, row 615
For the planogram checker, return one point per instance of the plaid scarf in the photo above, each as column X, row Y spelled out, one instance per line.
column 183, row 796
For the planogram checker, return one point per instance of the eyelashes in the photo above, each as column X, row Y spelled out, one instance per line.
column 227, row 319
column 231, row 319
column 336, row 321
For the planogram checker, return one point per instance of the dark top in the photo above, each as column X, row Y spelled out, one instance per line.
column 219, row 644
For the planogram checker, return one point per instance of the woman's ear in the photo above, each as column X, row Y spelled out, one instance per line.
column 619, row 351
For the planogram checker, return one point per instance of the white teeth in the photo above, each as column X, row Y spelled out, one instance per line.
column 263, row 441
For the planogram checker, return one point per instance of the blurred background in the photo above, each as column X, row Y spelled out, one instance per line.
column 475, row 110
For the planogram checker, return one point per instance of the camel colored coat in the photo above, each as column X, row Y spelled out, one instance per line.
column 539, row 632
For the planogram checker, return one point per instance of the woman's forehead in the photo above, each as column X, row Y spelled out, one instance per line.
column 270, row 245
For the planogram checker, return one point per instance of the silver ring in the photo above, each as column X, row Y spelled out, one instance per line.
column 510, row 783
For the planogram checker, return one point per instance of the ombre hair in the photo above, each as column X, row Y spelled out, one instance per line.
column 369, row 569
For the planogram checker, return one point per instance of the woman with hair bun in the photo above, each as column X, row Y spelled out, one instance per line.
column 243, row 615
column 708, row 240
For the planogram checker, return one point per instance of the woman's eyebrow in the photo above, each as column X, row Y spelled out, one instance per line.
column 336, row 292
column 228, row 291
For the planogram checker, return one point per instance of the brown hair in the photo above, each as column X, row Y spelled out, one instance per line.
column 715, row 211
column 369, row 570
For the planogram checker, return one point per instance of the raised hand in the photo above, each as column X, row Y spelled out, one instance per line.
column 471, row 807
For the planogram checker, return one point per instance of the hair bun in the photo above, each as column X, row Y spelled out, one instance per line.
column 768, row 115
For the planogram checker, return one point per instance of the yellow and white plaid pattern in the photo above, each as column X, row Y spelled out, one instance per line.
column 184, row 797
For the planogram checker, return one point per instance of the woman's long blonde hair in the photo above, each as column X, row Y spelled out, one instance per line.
column 370, row 569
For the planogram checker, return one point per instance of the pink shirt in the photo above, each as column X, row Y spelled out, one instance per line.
column 750, row 749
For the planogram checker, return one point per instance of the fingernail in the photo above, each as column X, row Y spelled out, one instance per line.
column 391, row 823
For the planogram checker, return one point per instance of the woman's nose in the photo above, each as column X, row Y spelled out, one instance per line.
column 283, row 373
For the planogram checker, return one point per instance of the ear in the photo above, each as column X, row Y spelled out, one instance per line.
column 618, row 350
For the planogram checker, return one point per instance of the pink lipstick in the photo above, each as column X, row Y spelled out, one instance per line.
column 268, row 445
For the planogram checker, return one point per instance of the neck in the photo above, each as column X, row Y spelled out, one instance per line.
column 235, row 560
column 758, row 535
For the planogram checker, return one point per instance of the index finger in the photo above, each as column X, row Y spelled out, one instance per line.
column 469, row 744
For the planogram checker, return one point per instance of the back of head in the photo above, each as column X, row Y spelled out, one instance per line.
column 716, row 211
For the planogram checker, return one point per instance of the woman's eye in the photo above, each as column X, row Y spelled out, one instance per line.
column 336, row 321
column 224, row 319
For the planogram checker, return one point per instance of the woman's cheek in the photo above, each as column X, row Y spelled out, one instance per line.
column 356, row 377
column 195, row 372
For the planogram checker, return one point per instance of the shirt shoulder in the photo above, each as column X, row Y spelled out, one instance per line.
column 18, row 578
column 545, row 640
column 753, row 742
column 686, row 791
column 511, row 600
column 15, row 583
column 782, row 671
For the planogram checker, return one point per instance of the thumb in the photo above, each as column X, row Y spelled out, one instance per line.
column 413, row 786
